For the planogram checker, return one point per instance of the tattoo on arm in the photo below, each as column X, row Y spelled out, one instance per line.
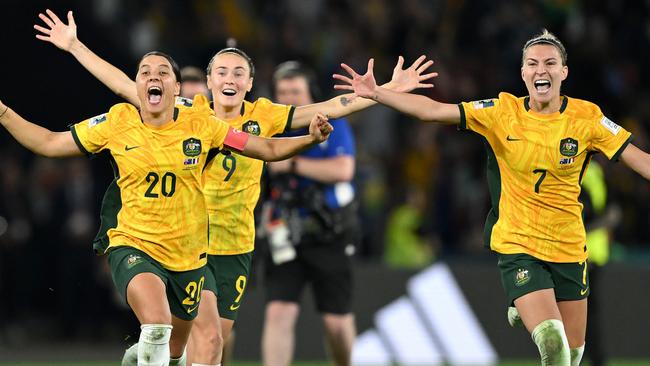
column 345, row 101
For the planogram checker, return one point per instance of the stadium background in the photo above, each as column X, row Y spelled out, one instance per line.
column 55, row 294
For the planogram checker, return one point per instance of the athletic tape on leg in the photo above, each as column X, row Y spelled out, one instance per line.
column 153, row 346
column 552, row 343
column 576, row 355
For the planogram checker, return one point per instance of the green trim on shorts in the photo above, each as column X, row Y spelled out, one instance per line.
column 522, row 274
column 183, row 288
column 227, row 276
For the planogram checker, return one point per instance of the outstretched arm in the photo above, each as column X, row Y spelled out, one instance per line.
column 274, row 149
column 36, row 138
column 402, row 80
column 418, row 106
column 637, row 159
column 64, row 36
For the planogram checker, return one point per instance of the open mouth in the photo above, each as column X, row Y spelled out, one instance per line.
column 542, row 85
column 229, row 92
column 154, row 95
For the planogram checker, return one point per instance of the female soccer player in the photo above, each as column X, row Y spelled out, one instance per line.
column 232, row 181
column 157, row 251
column 538, row 149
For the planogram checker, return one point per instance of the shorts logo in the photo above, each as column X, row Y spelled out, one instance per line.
column 133, row 260
column 569, row 147
column 234, row 307
column 584, row 291
column 252, row 128
column 192, row 147
column 522, row 277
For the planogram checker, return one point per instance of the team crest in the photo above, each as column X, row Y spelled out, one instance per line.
column 522, row 277
column 569, row 147
column 252, row 128
column 192, row 147
column 97, row 120
column 133, row 260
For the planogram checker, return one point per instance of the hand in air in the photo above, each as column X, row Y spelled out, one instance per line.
column 362, row 85
column 405, row 80
column 58, row 33
column 319, row 128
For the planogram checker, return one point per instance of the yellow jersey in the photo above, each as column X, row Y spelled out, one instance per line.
column 535, row 165
column 163, row 211
column 232, row 181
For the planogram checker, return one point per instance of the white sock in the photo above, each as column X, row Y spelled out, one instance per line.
column 178, row 361
column 552, row 343
column 153, row 346
column 576, row 355
column 130, row 357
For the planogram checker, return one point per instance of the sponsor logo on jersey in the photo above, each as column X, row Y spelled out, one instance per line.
column 192, row 147
column 569, row 147
column 251, row 127
column 97, row 120
column 567, row 161
column 480, row 104
column 610, row 125
column 522, row 277
column 184, row 101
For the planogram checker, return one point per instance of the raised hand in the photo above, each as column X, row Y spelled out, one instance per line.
column 362, row 85
column 320, row 128
column 405, row 80
column 58, row 33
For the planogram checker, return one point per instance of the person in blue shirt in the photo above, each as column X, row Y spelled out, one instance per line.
column 313, row 233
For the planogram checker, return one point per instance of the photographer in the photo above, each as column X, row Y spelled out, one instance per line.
column 312, row 232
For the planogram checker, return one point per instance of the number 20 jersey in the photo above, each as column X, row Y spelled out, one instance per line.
column 535, row 165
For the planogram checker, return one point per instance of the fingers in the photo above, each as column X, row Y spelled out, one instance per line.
column 46, row 20
column 371, row 65
column 424, row 66
column 342, row 78
column 428, row 76
column 42, row 29
column 343, row 87
column 349, row 70
column 417, row 62
column 71, row 19
column 43, row 38
column 53, row 16
column 400, row 63
column 425, row 86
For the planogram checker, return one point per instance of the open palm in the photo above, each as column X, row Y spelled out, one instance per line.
column 406, row 80
column 58, row 33
column 362, row 85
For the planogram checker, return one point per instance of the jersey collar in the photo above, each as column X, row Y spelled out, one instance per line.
column 565, row 101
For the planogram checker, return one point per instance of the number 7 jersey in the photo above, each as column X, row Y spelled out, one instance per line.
column 535, row 165
column 163, row 211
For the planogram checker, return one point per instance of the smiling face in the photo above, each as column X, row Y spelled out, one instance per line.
column 156, row 84
column 229, row 80
column 543, row 73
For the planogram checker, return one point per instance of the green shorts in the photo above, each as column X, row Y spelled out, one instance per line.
column 183, row 288
column 227, row 276
column 522, row 274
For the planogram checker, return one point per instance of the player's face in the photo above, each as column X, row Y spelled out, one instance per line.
column 156, row 84
column 293, row 91
column 229, row 80
column 543, row 72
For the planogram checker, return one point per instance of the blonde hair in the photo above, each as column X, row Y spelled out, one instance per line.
column 545, row 37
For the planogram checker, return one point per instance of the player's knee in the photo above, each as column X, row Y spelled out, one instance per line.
column 551, row 340
column 338, row 324
column 282, row 312
column 207, row 336
column 153, row 345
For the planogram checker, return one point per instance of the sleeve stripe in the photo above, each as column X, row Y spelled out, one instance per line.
column 463, row 120
column 77, row 141
column 287, row 127
column 621, row 149
column 236, row 139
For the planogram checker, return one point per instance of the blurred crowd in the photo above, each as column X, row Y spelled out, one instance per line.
column 423, row 187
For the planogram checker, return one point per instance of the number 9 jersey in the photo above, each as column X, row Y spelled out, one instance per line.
column 158, row 170
column 535, row 165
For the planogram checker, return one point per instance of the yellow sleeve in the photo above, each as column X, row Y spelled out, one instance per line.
column 609, row 138
column 218, row 130
column 92, row 135
column 478, row 116
column 278, row 116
